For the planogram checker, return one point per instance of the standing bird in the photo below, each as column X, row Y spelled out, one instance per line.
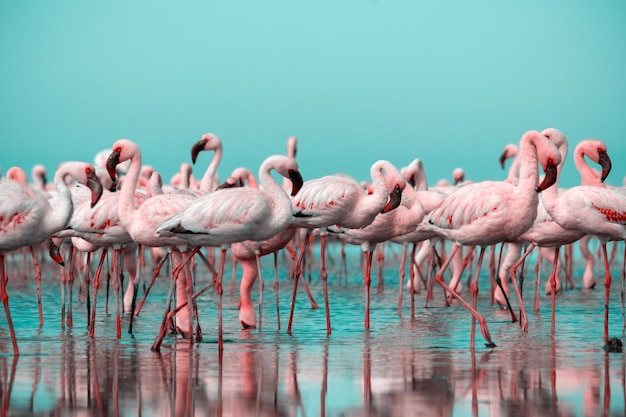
column 27, row 218
column 232, row 215
column 402, row 220
column 491, row 212
column 141, row 219
column 596, row 211
column 340, row 200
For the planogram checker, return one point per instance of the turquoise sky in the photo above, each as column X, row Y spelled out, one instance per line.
column 450, row 82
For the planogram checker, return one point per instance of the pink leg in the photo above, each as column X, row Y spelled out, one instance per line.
column 607, row 292
column 5, row 302
column 96, row 285
column 324, row 277
column 552, row 281
column 513, row 274
column 218, row 287
column 38, row 281
column 367, row 280
column 276, row 287
column 155, row 274
column 481, row 320
column 475, row 291
column 401, row 277
column 258, row 264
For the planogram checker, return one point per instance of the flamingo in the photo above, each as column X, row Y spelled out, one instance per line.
column 490, row 212
column 27, row 218
column 401, row 221
column 596, row 211
column 341, row 200
column 237, row 214
column 141, row 222
column 545, row 232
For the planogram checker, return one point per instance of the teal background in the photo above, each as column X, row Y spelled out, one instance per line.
column 450, row 82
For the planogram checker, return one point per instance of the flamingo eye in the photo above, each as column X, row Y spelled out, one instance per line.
column 88, row 170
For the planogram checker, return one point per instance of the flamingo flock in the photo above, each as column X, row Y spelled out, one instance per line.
column 120, row 207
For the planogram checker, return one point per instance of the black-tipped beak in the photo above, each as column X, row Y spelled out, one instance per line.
column 605, row 163
column 112, row 161
column 296, row 182
column 503, row 160
column 395, row 198
column 54, row 252
column 196, row 149
column 550, row 177
column 94, row 184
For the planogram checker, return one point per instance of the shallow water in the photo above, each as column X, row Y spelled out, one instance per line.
column 416, row 365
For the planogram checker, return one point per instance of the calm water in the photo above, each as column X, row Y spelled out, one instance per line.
column 416, row 365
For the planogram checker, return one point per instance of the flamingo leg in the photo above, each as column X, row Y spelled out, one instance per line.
column 367, row 280
column 513, row 274
column 155, row 274
column 4, row 279
column 156, row 346
column 276, row 287
column 607, row 293
column 96, row 285
column 72, row 272
column 401, row 276
column 537, row 280
column 475, row 291
column 117, row 254
column 296, row 277
column 481, row 320
column 38, row 281
column 218, row 287
column 258, row 264
column 552, row 281
column 324, row 277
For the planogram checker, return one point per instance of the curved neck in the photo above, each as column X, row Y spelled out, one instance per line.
column 207, row 184
column 514, row 169
column 588, row 175
column 281, row 202
column 126, row 204
column 63, row 210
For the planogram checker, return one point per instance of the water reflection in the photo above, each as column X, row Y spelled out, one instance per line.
column 418, row 365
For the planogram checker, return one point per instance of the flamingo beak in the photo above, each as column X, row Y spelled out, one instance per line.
column 550, row 178
column 196, row 149
column 229, row 183
column 503, row 160
column 395, row 198
column 112, row 161
column 54, row 252
column 296, row 182
column 94, row 184
column 605, row 163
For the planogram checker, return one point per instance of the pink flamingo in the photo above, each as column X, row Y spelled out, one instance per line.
column 545, row 232
column 232, row 215
column 142, row 220
column 491, row 212
column 401, row 221
column 596, row 211
column 27, row 219
column 340, row 200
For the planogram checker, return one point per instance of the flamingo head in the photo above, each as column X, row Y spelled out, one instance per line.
column 94, row 184
column 209, row 141
column 55, row 253
column 395, row 198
